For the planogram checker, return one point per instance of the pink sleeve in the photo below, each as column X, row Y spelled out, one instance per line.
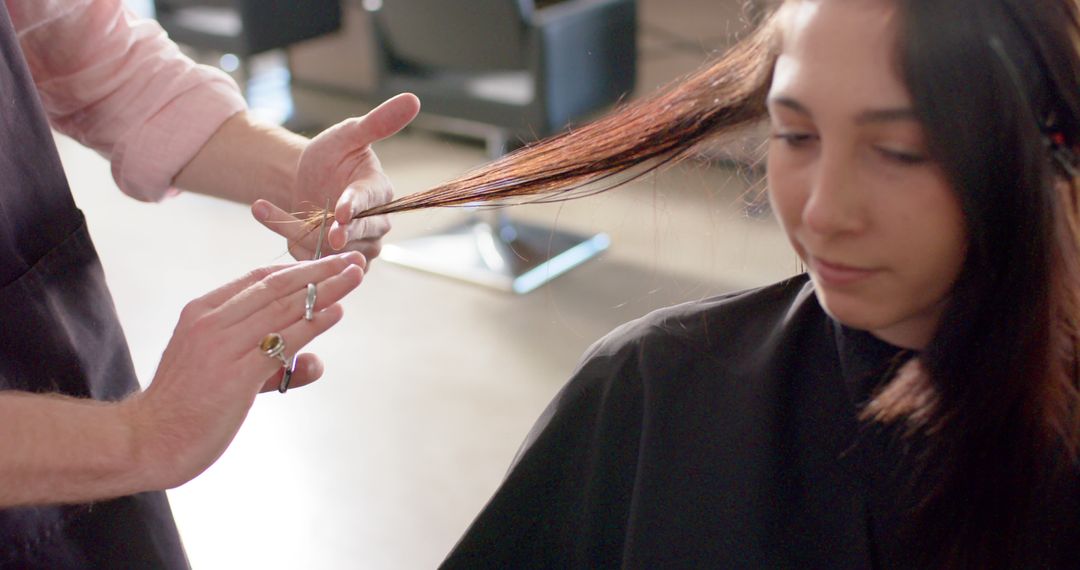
column 118, row 85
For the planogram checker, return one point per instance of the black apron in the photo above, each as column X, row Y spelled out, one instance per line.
column 60, row 334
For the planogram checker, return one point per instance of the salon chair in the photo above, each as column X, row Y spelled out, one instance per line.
column 508, row 71
column 246, row 28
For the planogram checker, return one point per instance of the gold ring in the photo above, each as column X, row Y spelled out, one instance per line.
column 273, row 345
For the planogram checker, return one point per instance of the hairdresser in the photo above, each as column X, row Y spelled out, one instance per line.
column 84, row 455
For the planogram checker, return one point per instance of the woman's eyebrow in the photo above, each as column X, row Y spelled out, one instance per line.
column 790, row 103
column 885, row 115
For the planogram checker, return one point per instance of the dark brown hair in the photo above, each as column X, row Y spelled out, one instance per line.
column 995, row 83
column 994, row 396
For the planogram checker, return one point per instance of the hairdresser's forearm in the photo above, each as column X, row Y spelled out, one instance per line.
column 55, row 449
column 244, row 160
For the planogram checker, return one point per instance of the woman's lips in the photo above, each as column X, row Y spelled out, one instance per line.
column 838, row 274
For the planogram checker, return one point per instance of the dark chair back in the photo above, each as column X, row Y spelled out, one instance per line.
column 455, row 34
column 522, row 69
column 263, row 24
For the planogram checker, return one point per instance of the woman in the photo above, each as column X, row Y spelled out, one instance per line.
column 912, row 400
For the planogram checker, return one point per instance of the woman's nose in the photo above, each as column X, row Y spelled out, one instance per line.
column 836, row 201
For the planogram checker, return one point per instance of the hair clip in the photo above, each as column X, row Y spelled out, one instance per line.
column 1062, row 153
column 1054, row 139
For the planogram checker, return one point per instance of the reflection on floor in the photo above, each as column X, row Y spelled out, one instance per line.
column 431, row 384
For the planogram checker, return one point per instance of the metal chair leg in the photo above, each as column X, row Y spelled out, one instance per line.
column 491, row 250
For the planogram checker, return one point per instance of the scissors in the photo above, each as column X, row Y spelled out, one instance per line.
column 309, row 301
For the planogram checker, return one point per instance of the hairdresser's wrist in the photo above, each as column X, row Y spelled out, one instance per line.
column 160, row 456
column 145, row 470
column 246, row 159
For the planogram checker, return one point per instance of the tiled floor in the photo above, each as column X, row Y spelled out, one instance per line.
column 431, row 384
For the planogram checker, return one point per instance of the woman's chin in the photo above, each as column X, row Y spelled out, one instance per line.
column 911, row 333
column 852, row 313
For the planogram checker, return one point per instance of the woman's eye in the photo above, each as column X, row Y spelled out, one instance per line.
column 795, row 139
column 902, row 157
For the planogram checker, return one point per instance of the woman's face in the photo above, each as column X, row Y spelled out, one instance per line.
column 879, row 228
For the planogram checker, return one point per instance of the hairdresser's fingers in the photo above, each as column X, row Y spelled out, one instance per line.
column 300, row 237
column 359, row 196
column 280, row 290
column 286, row 311
column 369, row 229
column 369, row 191
column 215, row 298
column 363, row 232
column 369, row 248
column 309, row 368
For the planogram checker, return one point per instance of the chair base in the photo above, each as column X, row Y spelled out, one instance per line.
column 497, row 253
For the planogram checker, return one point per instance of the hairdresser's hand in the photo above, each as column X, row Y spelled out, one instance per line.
column 340, row 165
column 212, row 367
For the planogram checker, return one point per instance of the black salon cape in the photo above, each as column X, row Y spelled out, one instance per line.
column 721, row 433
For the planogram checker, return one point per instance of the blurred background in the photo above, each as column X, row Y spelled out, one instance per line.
column 432, row 382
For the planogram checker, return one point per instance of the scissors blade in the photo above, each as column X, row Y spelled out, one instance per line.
column 322, row 231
